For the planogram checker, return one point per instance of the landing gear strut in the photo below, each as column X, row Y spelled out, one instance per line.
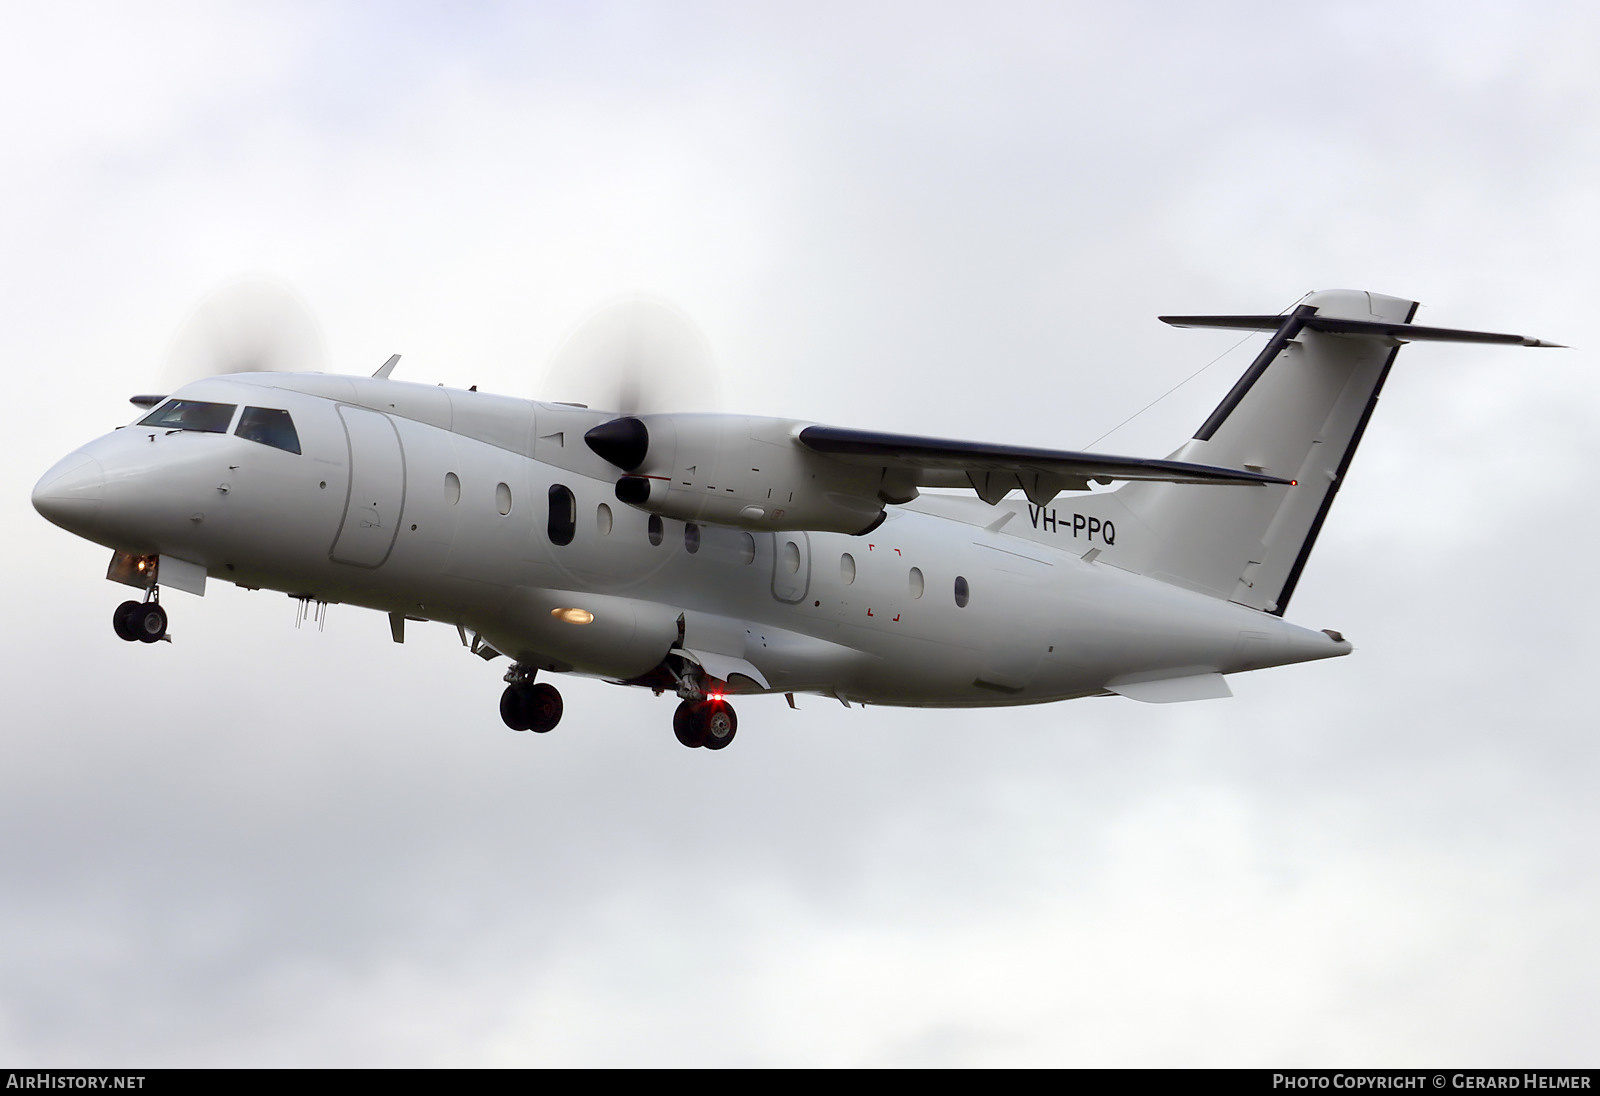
column 145, row 621
column 708, row 723
column 526, row 706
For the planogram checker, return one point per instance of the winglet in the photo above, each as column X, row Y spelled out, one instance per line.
column 387, row 367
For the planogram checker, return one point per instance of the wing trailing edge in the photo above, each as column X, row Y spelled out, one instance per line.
column 993, row 471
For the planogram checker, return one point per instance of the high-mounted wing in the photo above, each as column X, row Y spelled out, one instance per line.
column 992, row 471
column 773, row 474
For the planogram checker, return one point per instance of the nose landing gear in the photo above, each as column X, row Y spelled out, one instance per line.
column 145, row 621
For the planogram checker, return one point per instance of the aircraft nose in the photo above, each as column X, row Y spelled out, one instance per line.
column 70, row 493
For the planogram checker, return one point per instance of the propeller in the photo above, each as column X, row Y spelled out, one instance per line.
column 636, row 356
column 254, row 324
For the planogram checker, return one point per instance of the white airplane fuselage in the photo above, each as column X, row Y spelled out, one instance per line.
column 435, row 504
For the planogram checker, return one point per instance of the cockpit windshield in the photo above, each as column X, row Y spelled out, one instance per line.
column 210, row 418
column 269, row 427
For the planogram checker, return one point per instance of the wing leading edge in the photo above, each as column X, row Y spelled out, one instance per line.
column 993, row 471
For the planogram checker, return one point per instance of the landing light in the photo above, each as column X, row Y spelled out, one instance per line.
column 573, row 616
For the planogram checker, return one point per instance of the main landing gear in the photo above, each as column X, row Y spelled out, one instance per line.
column 526, row 706
column 704, row 718
column 145, row 621
column 710, row 723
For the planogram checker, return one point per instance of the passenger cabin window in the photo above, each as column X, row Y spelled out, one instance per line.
column 208, row 418
column 269, row 427
column 563, row 515
column 655, row 530
column 963, row 592
column 691, row 538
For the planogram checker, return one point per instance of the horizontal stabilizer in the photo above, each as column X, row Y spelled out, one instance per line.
column 994, row 470
column 1334, row 325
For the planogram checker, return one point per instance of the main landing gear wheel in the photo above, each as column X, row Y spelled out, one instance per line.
column 708, row 723
column 529, row 707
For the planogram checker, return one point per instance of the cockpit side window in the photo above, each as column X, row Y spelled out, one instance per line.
column 209, row 418
column 269, row 426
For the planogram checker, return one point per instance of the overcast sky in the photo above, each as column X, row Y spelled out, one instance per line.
column 265, row 846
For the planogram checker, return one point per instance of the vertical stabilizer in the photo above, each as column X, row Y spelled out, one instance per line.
column 1298, row 412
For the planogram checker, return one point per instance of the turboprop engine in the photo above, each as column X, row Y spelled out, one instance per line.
column 740, row 470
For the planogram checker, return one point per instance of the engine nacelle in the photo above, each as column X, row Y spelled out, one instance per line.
column 737, row 470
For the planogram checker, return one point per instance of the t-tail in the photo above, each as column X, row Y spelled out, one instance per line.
column 1298, row 412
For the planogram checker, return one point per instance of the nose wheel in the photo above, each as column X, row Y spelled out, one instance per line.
column 708, row 723
column 527, row 706
column 145, row 621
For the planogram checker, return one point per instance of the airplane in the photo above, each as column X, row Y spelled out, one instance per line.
column 717, row 555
